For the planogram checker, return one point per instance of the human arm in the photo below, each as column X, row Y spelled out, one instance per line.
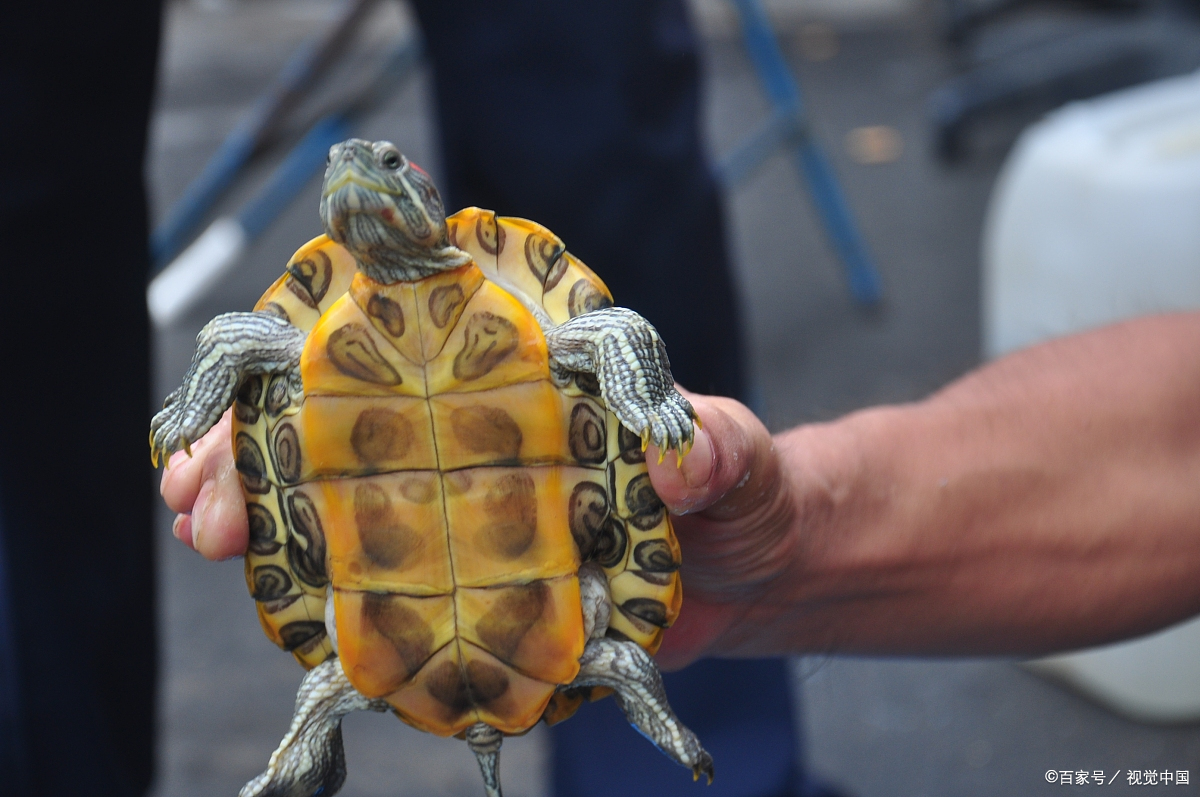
column 1046, row 501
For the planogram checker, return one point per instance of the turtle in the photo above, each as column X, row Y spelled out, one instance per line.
column 440, row 426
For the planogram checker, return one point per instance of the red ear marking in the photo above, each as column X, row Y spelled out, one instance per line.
column 418, row 168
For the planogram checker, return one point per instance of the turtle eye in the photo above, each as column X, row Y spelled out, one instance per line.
column 329, row 156
column 391, row 159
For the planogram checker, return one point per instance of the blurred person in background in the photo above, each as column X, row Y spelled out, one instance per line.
column 77, row 634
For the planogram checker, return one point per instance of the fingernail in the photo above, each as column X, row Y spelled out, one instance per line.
column 182, row 529
column 697, row 466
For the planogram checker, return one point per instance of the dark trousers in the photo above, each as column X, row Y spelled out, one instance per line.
column 585, row 118
column 75, row 484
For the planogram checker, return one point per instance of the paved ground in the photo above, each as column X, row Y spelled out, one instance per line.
column 877, row 727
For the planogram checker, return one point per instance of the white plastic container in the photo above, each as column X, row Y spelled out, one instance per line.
column 1096, row 218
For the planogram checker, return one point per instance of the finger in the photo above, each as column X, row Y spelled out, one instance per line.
column 220, row 527
column 182, row 529
column 730, row 469
column 183, row 475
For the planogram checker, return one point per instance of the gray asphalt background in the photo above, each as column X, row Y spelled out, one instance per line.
column 877, row 727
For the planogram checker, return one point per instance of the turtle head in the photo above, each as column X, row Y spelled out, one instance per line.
column 386, row 211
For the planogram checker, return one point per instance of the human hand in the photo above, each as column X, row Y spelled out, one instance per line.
column 205, row 490
column 735, row 518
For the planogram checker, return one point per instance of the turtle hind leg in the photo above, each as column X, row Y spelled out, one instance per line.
column 484, row 741
column 310, row 760
column 629, row 671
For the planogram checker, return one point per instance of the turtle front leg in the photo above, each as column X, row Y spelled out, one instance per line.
column 227, row 348
column 310, row 760
column 629, row 671
column 630, row 361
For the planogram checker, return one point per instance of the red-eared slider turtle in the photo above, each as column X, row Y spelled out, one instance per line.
column 440, row 427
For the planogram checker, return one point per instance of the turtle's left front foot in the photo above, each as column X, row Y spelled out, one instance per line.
column 630, row 362
column 310, row 760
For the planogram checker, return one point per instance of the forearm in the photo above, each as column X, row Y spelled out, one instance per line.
column 1049, row 500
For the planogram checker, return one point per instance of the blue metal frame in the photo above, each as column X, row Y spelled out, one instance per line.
column 789, row 127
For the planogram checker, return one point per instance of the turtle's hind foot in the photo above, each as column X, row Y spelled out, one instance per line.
column 310, row 760
column 629, row 671
column 484, row 741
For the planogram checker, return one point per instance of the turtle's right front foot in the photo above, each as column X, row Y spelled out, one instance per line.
column 228, row 347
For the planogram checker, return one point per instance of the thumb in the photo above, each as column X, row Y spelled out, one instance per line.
column 729, row 472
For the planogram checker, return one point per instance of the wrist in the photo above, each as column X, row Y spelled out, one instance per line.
column 855, row 503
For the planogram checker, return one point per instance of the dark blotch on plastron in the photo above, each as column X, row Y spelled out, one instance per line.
column 511, row 616
column 443, row 301
column 489, row 234
column 288, row 459
column 262, row 530
column 452, row 234
column 270, row 583
column 645, row 507
column 487, row 340
column 486, row 430
column 386, row 540
column 352, row 352
column 611, row 541
column 585, row 297
column 655, row 556
column 447, row 686
column 588, row 383
column 278, row 396
column 251, row 464
column 408, row 633
column 381, row 435
column 388, row 313
column 276, row 309
column 646, row 609
column 309, row 279
column 541, row 253
column 585, row 435
column 586, row 516
column 487, row 682
column 630, row 446
column 306, row 543
column 296, row 634
column 511, row 503
column 418, row 489
column 249, row 394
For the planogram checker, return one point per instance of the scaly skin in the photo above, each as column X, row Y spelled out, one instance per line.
column 630, row 361
column 227, row 348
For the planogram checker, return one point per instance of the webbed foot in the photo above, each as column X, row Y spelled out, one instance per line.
column 310, row 760
column 228, row 347
column 629, row 671
column 630, row 362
